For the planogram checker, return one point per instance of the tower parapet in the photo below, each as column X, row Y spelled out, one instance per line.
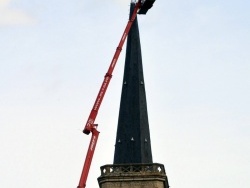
column 133, row 176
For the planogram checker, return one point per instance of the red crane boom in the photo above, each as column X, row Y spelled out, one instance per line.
column 90, row 126
column 108, row 75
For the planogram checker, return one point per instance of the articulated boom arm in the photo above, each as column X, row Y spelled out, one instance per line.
column 141, row 7
column 107, row 78
column 90, row 126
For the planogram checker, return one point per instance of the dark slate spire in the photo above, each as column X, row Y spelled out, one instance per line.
column 133, row 137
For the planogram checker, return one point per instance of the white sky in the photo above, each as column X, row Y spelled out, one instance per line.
column 54, row 55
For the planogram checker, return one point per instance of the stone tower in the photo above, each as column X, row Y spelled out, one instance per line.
column 133, row 165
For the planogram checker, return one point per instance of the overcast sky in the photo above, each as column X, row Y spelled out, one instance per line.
column 54, row 54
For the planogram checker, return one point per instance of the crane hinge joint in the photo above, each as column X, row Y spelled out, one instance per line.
column 108, row 75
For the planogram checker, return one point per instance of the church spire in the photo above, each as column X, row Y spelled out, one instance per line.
column 133, row 137
column 133, row 165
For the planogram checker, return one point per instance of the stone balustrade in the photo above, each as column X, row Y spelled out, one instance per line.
column 140, row 169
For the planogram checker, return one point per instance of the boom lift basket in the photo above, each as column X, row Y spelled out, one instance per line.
column 146, row 5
